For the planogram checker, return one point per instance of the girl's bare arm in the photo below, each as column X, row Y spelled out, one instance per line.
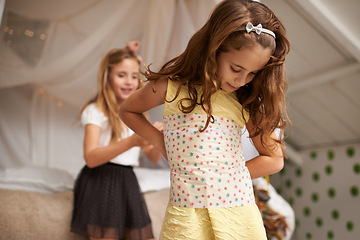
column 96, row 156
column 267, row 162
column 142, row 100
column 151, row 152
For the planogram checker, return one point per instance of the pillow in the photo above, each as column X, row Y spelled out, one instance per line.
column 36, row 179
column 152, row 179
column 278, row 204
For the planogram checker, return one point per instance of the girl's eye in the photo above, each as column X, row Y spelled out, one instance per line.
column 255, row 73
column 232, row 69
column 121, row 75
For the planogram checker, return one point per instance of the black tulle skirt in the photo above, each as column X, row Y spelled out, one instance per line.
column 108, row 203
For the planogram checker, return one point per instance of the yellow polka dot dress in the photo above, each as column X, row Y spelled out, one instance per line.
column 211, row 195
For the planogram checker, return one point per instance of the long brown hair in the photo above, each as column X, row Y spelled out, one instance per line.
column 105, row 99
column 264, row 97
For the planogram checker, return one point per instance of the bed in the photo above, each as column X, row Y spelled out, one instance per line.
column 36, row 202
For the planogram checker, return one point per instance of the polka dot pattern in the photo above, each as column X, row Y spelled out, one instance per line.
column 207, row 169
column 324, row 192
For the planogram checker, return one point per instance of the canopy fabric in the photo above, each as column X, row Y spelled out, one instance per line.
column 49, row 56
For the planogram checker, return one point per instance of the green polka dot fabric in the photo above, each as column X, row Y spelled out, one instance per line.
column 324, row 192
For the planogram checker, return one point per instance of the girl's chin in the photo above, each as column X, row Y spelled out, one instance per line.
column 123, row 97
column 232, row 88
column 228, row 89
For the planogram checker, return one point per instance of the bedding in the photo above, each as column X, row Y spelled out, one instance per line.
column 36, row 202
column 51, row 180
column 36, row 179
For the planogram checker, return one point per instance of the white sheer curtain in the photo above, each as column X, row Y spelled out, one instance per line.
column 2, row 5
column 49, row 55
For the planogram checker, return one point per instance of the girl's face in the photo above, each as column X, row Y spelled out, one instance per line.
column 124, row 78
column 238, row 67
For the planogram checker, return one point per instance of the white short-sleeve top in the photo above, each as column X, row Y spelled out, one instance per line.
column 92, row 115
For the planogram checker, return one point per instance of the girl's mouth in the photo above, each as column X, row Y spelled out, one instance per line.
column 232, row 87
column 126, row 90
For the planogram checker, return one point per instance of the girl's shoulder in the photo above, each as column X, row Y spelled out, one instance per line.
column 162, row 84
column 176, row 88
column 91, row 108
column 92, row 115
column 171, row 85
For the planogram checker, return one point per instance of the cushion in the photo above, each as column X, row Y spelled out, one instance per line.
column 36, row 179
column 152, row 179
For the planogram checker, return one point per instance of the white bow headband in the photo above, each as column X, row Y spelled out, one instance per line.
column 258, row 29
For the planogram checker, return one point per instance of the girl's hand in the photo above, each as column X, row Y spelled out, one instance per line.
column 138, row 141
column 159, row 126
column 133, row 46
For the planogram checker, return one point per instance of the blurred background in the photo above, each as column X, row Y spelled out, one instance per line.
column 49, row 56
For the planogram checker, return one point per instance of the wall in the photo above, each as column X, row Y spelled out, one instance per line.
column 324, row 192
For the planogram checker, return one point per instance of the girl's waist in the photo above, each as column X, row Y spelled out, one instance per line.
column 204, row 189
column 195, row 158
column 203, row 175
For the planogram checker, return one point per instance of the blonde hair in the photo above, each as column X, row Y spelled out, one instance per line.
column 105, row 99
column 264, row 97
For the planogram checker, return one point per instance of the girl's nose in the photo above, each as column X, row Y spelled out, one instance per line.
column 240, row 79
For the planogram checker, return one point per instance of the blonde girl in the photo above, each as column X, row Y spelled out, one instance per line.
column 108, row 203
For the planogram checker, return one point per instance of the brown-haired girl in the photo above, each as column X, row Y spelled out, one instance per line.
column 231, row 74
column 108, row 203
